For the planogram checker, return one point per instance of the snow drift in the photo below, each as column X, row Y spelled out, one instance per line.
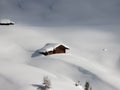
column 94, row 50
column 86, row 59
column 57, row 12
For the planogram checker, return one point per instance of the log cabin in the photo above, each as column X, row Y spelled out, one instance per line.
column 53, row 48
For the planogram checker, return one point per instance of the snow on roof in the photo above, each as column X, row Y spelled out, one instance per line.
column 51, row 47
column 6, row 21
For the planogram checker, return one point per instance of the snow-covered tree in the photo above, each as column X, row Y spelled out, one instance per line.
column 46, row 83
column 87, row 85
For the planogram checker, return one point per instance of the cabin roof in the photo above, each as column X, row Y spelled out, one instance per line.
column 6, row 21
column 51, row 47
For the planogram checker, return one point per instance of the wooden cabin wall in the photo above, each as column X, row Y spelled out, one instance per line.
column 60, row 49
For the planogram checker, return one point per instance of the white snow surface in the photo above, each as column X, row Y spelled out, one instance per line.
column 85, row 61
column 5, row 21
column 61, row 11
column 51, row 47
column 91, row 28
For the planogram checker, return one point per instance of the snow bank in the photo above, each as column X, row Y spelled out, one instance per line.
column 44, row 12
column 85, row 61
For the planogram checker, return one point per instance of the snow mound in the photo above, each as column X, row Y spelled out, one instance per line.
column 85, row 61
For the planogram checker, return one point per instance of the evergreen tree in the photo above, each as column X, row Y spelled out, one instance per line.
column 87, row 85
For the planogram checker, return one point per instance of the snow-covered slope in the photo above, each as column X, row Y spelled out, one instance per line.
column 86, row 59
column 90, row 28
column 43, row 12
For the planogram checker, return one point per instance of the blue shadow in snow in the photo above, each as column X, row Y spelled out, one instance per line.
column 36, row 54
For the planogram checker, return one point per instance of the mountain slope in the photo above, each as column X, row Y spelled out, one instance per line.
column 45, row 12
column 85, row 60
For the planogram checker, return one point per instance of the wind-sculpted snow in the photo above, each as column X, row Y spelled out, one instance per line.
column 7, row 83
column 74, row 71
column 94, row 53
column 65, row 12
column 86, row 59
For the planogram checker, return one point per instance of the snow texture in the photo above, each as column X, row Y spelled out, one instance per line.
column 91, row 28
column 6, row 21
